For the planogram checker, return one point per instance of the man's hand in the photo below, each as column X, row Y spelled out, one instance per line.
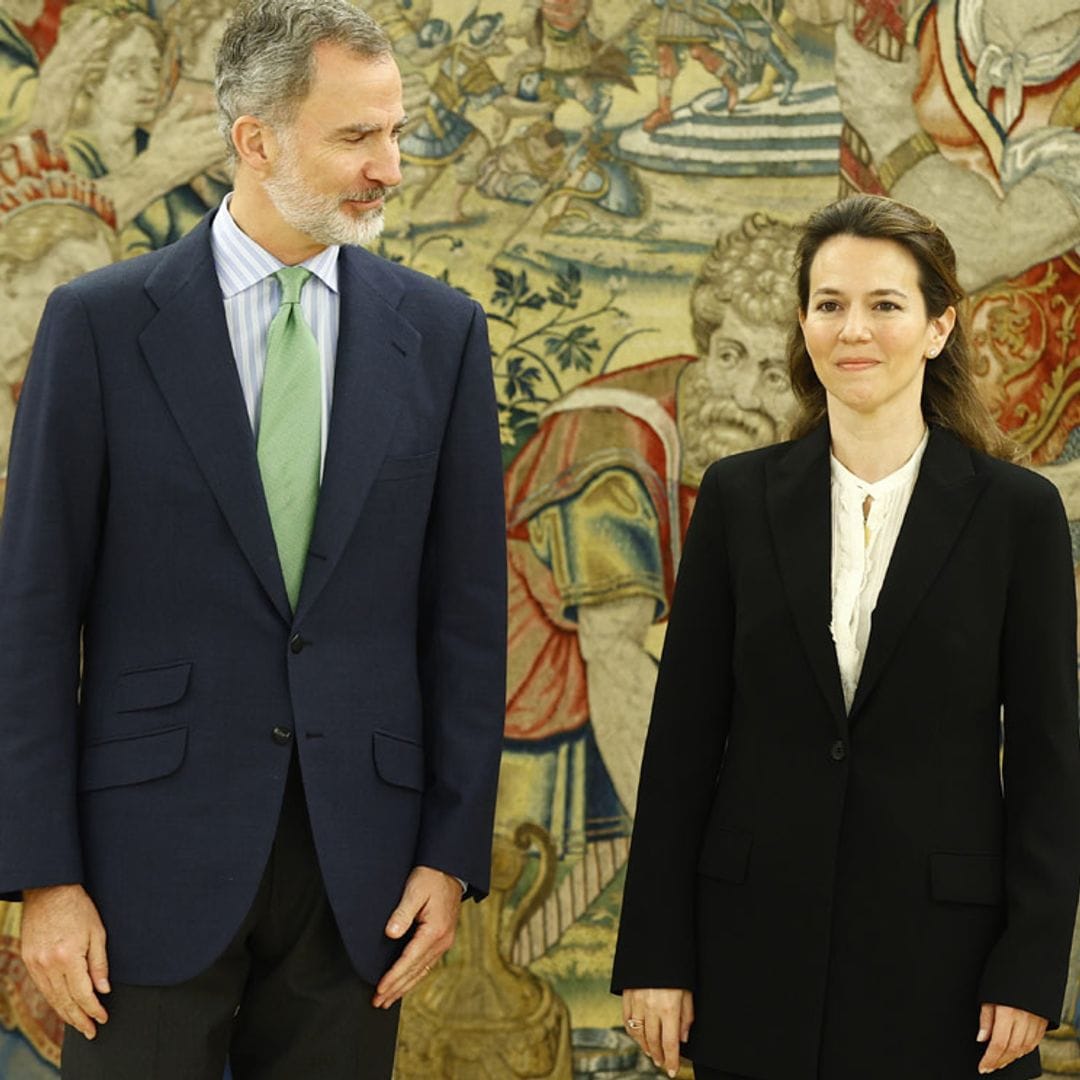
column 63, row 947
column 658, row 1020
column 432, row 900
column 1011, row 1033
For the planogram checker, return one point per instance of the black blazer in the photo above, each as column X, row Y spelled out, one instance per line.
column 136, row 520
column 844, row 890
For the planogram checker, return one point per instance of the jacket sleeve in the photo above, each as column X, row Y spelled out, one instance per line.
column 48, row 546
column 683, row 751
column 1028, row 965
column 462, row 647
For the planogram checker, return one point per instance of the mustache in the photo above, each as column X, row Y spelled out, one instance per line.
column 370, row 194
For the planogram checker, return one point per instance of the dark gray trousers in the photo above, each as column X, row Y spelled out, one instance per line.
column 282, row 1002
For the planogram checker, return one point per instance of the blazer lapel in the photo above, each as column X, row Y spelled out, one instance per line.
column 376, row 355
column 189, row 353
column 941, row 503
column 800, row 516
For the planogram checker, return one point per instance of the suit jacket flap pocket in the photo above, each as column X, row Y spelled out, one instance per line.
column 399, row 761
column 152, row 688
column 967, row 879
column 725, row 854
column 132, row 759
column 401, row 468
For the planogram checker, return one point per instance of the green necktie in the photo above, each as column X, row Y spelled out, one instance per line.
column 290, row 423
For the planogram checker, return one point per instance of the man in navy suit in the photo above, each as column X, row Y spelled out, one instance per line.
column 248, row 730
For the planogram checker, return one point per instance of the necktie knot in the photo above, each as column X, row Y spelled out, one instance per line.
column 291, row 279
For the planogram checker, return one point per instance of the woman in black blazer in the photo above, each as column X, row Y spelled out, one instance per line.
column 854, row 855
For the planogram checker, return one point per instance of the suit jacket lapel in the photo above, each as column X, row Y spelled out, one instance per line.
column 189, row 353
column 941, row 503
column 376, row 354
column 800, row 516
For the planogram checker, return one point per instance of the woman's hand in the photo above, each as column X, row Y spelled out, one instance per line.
column 1011, row 1033
column 658, row 1020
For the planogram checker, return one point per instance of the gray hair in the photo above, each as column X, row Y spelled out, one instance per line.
column 266, row 60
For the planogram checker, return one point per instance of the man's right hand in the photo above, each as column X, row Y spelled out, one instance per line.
column 63, row 948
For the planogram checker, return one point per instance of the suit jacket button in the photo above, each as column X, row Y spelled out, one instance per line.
column 838, row 750
column 281, row 735
column 296, row 643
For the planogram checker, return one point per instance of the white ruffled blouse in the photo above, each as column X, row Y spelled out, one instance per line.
column 866, row 520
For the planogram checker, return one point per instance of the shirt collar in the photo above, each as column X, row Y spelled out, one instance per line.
column 241, row 262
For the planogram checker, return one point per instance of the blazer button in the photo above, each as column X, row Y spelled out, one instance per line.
column 281, row 735
column 838, row 750
column 296, row 644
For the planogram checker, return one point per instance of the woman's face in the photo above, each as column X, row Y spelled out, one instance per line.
column 129, row 92
column 866, row 327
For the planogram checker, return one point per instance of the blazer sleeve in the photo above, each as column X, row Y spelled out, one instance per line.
column 48, row 547
column 462, row 646
column 1028, row 966
column 683, row 751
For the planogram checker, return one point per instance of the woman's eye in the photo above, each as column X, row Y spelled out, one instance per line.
column 828, row 305
column 888, row 305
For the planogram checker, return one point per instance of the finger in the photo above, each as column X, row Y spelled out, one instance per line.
column 986, row 1022
column 994, row 1057
column 68, row 1011
column 97, row 961
column 403, row 916
column 405, row 987
column 632, row 1011
column 81, row 990
column 55, row 992
column 401, row 985
column 669, row 1036
column 686, row 1017
column 650, row 1030
column 417, row 956
column 1020, row 1041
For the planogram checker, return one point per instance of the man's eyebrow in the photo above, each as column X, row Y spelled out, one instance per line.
column 361, row 128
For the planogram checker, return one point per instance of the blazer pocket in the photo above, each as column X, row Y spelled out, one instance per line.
column 967, row 879
column 401, row 468
column 132, row 759
column 725, row 855
column 399, row 761
column 152, row 688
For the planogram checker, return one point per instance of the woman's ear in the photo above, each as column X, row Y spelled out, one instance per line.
column 941, row 326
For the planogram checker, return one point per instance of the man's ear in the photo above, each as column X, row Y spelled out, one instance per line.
column 254, row 142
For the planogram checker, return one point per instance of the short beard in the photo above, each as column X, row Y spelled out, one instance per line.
column 322, row 217
column 714, row 427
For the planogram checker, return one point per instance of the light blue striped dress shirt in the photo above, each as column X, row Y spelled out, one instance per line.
column 252, row 298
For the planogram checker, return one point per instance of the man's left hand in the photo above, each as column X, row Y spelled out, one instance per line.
column 432, row 900
column 1011, row 1033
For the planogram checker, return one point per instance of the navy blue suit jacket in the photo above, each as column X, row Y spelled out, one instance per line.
column 136, row 527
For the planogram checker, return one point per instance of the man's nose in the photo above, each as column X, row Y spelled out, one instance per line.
column 384, row 167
